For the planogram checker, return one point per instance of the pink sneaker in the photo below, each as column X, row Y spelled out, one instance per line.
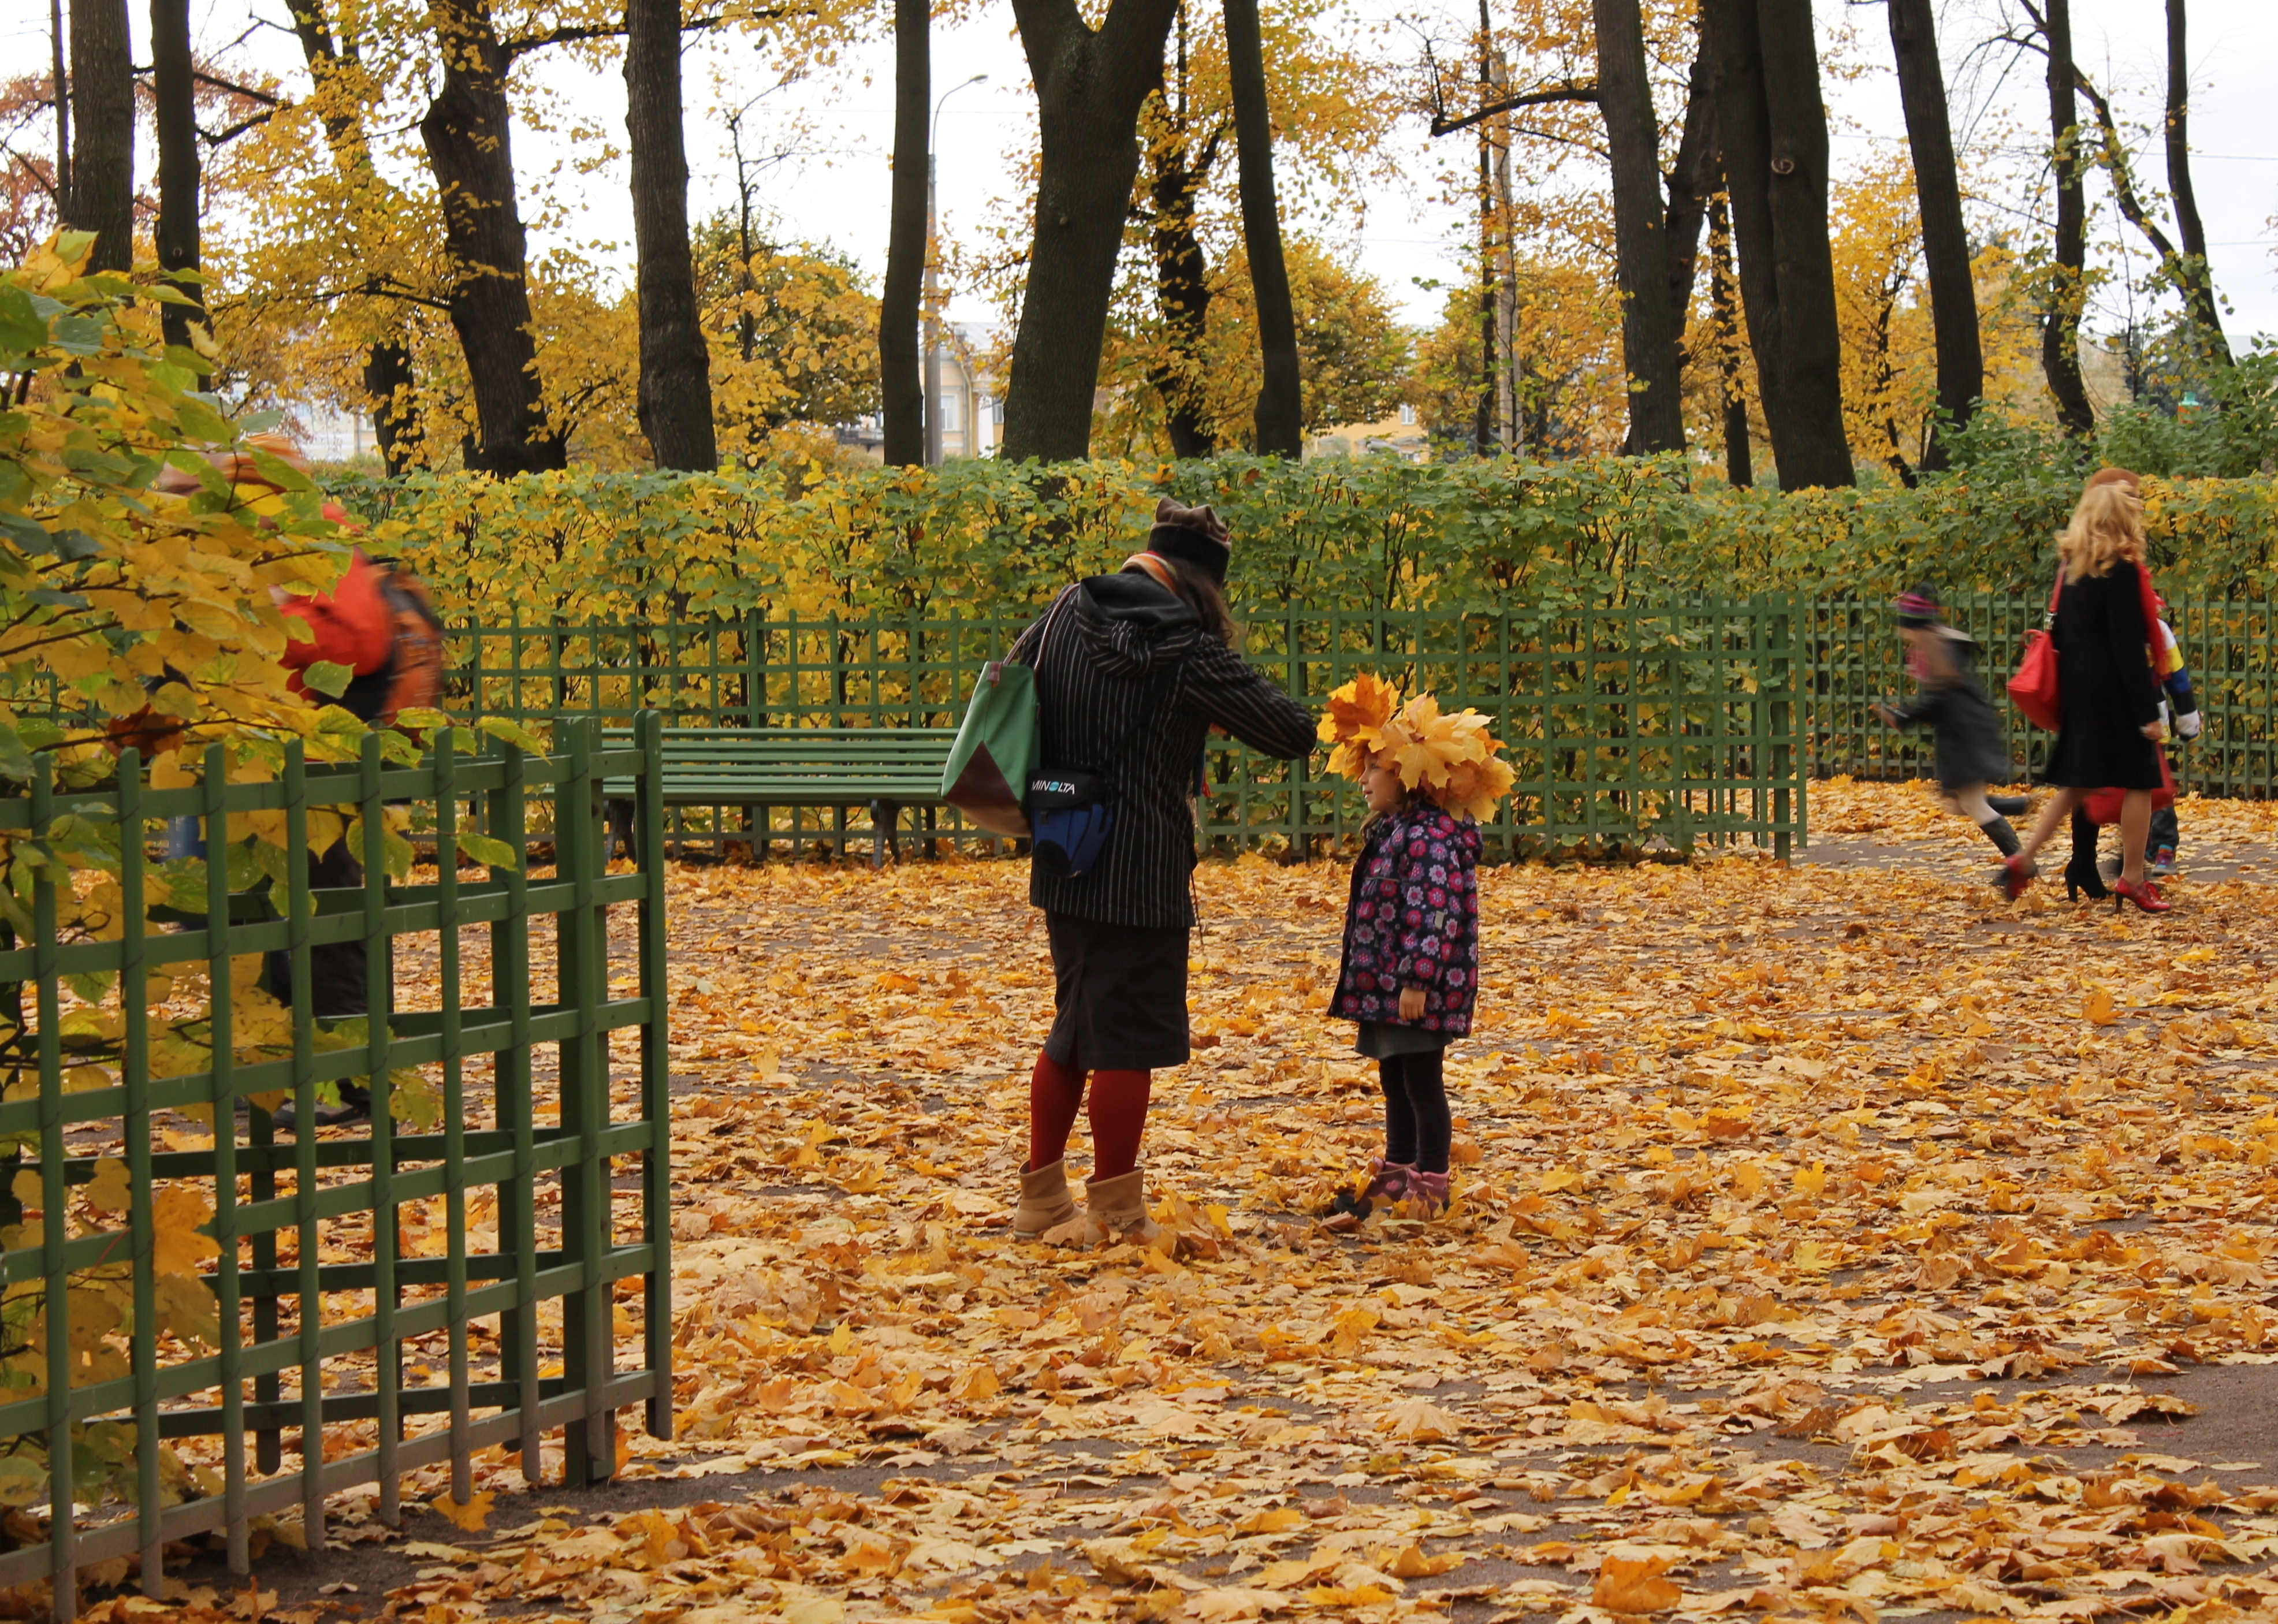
column 1388, row 1181
column 1427, row 1193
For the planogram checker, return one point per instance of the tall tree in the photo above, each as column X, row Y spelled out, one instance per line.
column 906, row 247
column 1641, row 257
column 2067, row 273
column 466, row 134
column 1723, row 302
column 1180, row 160
column 101, row 197
column 1946, row 239
column 1090, row 84
column 1281, row 396
column 1773, row 126
column 2193, row 275
column 1694, row 176
column 390, row 380
column 676, row 381
column 61, row 71
column 174, row 94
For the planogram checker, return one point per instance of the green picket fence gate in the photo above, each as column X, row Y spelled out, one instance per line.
column 377, row 1291
column 1673, row 722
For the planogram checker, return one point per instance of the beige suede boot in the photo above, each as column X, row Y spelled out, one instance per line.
column 1115, row 1209
column 1044, row 1200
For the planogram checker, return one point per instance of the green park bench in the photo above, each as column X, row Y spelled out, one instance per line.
column 883, row 769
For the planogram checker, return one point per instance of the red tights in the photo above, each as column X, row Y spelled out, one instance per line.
column 1119, row 1115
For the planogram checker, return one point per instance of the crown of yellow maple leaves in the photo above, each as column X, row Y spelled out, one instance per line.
column 1451, row 760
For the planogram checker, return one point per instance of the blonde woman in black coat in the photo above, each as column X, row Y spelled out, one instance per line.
column 2112, row 730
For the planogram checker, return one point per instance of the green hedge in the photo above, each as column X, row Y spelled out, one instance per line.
column 1332, row 533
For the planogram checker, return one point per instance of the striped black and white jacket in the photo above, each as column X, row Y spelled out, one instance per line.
column 1126, row 671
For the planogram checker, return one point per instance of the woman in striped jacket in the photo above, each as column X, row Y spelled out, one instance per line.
column 1132, row 669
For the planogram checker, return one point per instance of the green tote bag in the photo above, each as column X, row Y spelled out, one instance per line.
column 997, row 746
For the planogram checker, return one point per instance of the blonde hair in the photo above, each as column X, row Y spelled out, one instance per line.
column 2107, row 527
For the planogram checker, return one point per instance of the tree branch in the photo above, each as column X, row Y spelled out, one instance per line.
column 224, row 137
column 1573, row 90
column 515, row 48
column 2116, row 166
column 247, row 91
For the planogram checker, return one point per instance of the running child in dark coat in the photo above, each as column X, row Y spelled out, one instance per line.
column 1411, row 966
column 1952, row 703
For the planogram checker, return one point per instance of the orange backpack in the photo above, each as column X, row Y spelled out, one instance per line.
column 413, row 677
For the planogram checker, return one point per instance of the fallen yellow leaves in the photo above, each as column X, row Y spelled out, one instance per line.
column 1802, row 1272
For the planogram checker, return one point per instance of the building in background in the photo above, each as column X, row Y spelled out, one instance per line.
column 1400, row 434
column 972, row 397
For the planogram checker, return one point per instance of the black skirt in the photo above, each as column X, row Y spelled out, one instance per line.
column 2108, row 691
column 1119, row 996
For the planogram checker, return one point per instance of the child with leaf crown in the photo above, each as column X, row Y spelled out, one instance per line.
column 1410, row 965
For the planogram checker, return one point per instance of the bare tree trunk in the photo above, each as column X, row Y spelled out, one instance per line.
column 1182, row 291
column 674, row 398
column 902, row 392
column 1692, row 178
column 391, row 386
column 1724, row 298
column 1641, row 264
column 2193, row 274
column 1280, row 417
column 1773, row 126
column 1946, row 239
column 1090, row 84
column 102, row 196
column 173, row 92
column 63, row 89
column 465, row 132
column 1510, row 428
column 1484, row 437
column 2060, row 322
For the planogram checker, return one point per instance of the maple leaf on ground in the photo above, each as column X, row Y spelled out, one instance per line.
column 469, row 1518
column 1634, row 1585
column 1420, row 1421
column 1211, row 1606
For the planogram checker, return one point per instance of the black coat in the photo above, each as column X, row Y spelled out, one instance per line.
column 1127, row 685
column 1971, row 749
column 2104, row 675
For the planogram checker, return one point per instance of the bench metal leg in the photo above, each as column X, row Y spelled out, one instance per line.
column 883, row 816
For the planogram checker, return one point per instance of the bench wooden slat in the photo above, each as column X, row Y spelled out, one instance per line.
column 886, row 769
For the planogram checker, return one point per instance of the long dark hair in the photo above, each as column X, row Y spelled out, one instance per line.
column 1202, row 594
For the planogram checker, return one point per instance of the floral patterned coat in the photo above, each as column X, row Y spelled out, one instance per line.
column 1413, row 921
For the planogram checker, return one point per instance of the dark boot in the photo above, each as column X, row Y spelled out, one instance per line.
column 2009, row 806
column 2082, row 875
column 2004, row 838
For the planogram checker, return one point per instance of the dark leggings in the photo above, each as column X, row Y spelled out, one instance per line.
column 1416, row 1126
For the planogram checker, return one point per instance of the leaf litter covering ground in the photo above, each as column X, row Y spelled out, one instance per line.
column 1821, row 1240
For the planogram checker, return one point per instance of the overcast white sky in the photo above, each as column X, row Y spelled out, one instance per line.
column 839, row 192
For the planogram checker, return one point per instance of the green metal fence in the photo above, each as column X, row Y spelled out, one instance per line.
column 229, row 1282
column 1674, row 722
column 1849, row 655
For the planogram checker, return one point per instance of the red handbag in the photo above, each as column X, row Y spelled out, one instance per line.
column 2034, row 690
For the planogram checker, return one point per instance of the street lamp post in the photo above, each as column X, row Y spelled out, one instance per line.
column 932, row 302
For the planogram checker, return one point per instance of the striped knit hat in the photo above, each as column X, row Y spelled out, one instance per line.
column 1919, row 607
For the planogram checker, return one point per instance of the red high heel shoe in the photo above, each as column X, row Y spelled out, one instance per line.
column 2143, row 894
column 2015, row 875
